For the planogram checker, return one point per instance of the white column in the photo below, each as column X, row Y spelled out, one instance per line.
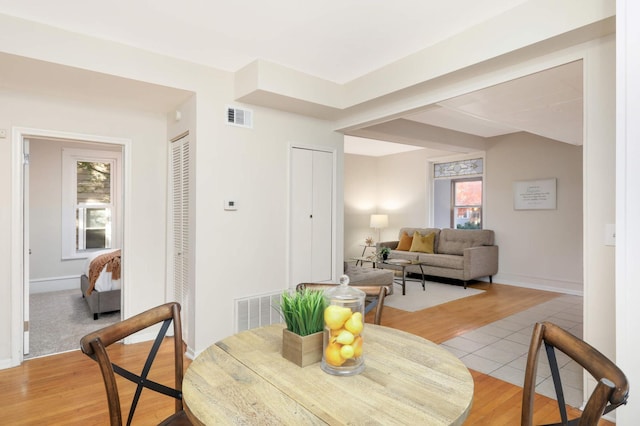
column 628, row 200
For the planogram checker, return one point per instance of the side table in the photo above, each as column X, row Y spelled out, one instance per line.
column 361, row 260
column 364, row 250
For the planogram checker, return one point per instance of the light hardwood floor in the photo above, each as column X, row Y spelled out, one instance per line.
column 67, row 389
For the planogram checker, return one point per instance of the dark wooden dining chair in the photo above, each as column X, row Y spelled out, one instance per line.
column 95, row 346
column 375, row 295
column 611, row 391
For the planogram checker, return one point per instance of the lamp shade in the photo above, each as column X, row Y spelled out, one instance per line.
column 379, row 221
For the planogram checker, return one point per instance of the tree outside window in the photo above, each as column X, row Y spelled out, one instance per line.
column 90, row 201
column 467, row 204
column 93, row 209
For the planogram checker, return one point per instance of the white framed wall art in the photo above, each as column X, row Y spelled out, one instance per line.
column 537, row 194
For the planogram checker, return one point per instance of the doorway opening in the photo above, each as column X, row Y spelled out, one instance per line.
column 55, row 315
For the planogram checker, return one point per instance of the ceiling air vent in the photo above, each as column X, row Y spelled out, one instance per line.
column 240, row 117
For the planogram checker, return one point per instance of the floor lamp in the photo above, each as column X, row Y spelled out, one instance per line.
column 379, row 221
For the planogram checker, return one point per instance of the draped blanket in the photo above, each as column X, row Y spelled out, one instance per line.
column 112, row 262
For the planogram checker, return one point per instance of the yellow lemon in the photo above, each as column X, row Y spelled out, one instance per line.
column 332, row 355
column 345, row 338
column 347, row 351
column 354, row 324
column 335, row 316
column 357, row 346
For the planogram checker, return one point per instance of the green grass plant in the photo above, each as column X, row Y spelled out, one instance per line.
column 303, row 311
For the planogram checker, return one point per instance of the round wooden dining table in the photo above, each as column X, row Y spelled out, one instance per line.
column 243, row 379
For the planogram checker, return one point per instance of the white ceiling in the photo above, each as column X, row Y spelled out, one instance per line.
column 548, row 104
column 337, row 40
column 374, row 148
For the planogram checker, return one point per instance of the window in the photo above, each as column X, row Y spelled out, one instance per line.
column 457, row 193
column 90, row 191
column 93, row 205
column 467, row 204
column 458, row 168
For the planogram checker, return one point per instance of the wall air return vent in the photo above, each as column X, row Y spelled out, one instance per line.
column 240, row 117
column 256, row 311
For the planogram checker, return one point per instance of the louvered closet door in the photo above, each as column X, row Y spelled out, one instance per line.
column 180, row 222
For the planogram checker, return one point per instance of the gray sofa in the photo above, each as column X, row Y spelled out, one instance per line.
column 460, row 254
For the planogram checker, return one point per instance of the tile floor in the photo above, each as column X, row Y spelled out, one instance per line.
column 500, row 349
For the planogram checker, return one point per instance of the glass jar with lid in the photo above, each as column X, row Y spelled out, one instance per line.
column 343, row 330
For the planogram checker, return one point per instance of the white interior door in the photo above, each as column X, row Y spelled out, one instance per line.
column 301, row 215
column 322, row 230
column 311, row 216
column 25, row 244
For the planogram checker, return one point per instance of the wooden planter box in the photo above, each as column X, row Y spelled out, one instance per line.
column 300, row 350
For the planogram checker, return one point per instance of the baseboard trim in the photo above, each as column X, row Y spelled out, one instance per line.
column 45, row 285
column 545, row 284
column 534, row 283
column 7, row 363
column 191, row 354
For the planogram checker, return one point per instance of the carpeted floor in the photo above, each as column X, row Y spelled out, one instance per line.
column 59, row 319
column 435, row 294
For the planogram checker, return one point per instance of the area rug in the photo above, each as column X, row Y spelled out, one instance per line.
column 59, row 319
column 435, row 294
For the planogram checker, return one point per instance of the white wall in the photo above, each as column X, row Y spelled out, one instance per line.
column 360, row 201
column 45, row 215
column 244, row 252
column 538, row 248
column 403, row 191
column 394, row 184
column 7, row 210
column 599, row 196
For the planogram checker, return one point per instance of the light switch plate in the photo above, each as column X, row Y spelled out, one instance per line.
column 230, row 205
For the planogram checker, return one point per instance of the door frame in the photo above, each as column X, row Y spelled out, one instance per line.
column 19, row 273
column 26, row 250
